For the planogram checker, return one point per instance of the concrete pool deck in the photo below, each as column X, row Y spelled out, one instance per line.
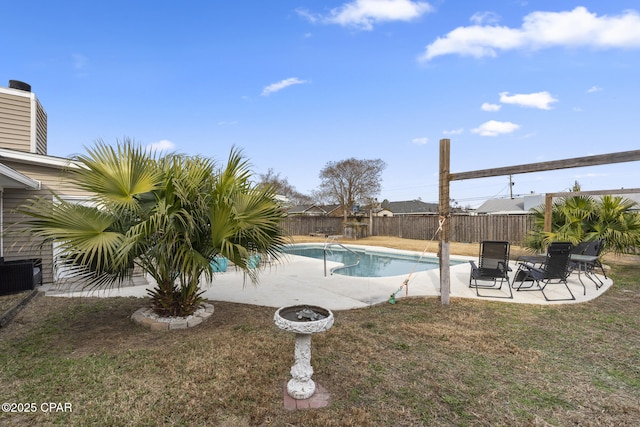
column 296, row 280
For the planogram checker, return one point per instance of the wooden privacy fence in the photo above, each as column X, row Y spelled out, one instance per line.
column 464, row 228
column 306, row 225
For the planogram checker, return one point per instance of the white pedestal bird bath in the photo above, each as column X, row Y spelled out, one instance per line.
column 303, row 320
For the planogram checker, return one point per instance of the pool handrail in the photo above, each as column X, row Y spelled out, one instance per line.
column 333, row 240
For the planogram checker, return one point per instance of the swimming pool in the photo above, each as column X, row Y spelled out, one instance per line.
column 373, row 263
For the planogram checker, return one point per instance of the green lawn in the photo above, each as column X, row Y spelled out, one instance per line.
column 473, row 363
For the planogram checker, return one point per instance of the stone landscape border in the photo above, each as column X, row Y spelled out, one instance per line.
column 147, row 318
column 8, row 315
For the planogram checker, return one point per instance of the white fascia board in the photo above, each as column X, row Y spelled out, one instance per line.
column 36, row 159
column 20, row 179
column 17, row 92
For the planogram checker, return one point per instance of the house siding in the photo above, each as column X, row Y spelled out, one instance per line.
column 52, row 178
column 41, row 128
column 19, row 245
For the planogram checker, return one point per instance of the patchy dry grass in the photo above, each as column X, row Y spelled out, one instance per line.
column 473, row 363
column 7, row 302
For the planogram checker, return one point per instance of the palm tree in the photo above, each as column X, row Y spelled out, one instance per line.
column 582, row 218
column 170, row 215
column 616, row 223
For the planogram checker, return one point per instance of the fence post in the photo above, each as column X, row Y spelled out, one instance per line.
column 548, row 209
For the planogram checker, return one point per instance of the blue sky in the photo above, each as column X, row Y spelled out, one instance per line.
column 299, row 83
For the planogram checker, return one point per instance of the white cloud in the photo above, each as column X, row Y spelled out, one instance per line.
column 480, row 18
column 495, row 128
column 490, row 107
column 541, row 100
column 420, row 141
column 593, row 89
column 80, row 65
column 453, row 132
column 307, row 15
column 529, row 135
column 590, row 175
column 162, row 145
column 540, row 30
column 275, row 87
column 79, row 61
column 363, row 14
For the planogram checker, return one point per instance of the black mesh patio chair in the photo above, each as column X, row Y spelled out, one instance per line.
column 588, row 261
column 492, row 269
column 595, row 249
column 580, row 248
column 554, row 270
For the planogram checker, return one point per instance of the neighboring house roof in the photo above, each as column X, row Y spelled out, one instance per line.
column 411, row 207
column 330, row 208
column 282, row 199
column 635, row 197
column 312, row 209
column 515, row 206
column 502, row 206
column 306, row 210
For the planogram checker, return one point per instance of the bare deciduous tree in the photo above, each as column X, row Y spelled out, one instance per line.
column 282, row 187
column 351, row 181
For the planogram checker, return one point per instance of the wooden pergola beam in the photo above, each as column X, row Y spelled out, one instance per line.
column 578, row 162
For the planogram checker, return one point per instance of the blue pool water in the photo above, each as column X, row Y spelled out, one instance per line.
column 372, row 263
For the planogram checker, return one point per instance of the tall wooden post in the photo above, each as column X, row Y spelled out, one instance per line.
column 548, row 208
column 444, row 210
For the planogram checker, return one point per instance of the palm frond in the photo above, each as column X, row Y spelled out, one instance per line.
column 119, row 176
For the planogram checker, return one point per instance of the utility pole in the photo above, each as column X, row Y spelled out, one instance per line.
column 510, row 186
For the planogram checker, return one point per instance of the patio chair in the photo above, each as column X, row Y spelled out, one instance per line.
column 595, row 249
column 493, row 266
column 588, row 261
column 554, row 270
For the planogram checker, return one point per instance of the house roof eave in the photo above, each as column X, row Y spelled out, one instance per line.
column 11, row 178
column 36, row 159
